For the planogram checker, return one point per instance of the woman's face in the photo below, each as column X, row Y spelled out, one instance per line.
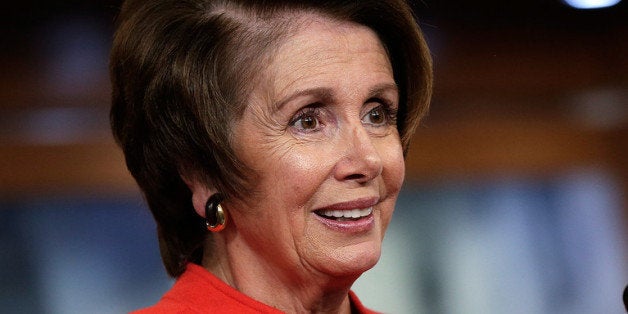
column 319, row 130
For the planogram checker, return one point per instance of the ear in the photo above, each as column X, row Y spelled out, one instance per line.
column 200, row 194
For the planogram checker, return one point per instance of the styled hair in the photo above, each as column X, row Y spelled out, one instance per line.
column 181, row 72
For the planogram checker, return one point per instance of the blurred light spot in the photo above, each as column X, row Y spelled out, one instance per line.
column 601, row 109
column 591, row 4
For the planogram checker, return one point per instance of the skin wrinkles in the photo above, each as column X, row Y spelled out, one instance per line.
column 279, row 251
column 271, row 130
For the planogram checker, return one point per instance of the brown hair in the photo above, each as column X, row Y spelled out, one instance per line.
column 181, row 71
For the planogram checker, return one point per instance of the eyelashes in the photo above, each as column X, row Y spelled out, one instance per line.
column 389, row 110
column 314, row 117
column 307, row 119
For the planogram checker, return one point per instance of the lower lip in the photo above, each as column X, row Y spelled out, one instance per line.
column 349, row 226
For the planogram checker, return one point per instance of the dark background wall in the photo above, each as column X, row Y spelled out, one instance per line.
column 524, row 157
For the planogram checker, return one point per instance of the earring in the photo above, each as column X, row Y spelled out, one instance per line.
column 215, row 215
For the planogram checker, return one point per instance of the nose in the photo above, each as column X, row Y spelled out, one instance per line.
column 359, row 159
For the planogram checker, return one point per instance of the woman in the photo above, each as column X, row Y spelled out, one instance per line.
column 268, row 138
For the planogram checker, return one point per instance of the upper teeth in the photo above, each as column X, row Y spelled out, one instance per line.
column 353, row 213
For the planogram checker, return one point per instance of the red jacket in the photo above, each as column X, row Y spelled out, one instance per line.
column 199, row 291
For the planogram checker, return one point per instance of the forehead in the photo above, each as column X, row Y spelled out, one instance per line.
column 313, row 35
column 323, row 48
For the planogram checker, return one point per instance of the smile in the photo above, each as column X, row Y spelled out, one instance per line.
column 343, row 215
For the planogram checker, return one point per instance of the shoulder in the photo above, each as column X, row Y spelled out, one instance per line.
column 199, row 291
column 357, row 307
column 165, row 307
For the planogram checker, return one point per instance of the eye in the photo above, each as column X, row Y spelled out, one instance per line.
column 306, row 123
column 307, row 120
column 376, row 116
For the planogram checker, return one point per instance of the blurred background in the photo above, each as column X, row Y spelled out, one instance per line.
column 516, row 197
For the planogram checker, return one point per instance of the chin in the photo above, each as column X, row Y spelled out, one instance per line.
column 354, row 260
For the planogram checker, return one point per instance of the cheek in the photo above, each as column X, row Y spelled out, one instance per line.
column 394, row 167
column 393, row 174
column 302, row 170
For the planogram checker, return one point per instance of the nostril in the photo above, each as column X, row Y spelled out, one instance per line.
column 355, row 176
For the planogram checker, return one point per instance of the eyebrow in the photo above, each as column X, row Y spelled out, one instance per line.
column 319, row 92
column 381, row 88
column 327, row 94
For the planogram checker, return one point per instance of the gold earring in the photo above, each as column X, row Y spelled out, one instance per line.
column 215, row 215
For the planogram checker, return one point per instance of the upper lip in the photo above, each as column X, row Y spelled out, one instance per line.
column 359, row 203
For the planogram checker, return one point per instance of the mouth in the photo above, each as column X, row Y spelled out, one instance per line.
column 345, row 215
column 351, row 217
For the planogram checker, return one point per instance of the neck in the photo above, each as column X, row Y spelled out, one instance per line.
column 292, row 289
